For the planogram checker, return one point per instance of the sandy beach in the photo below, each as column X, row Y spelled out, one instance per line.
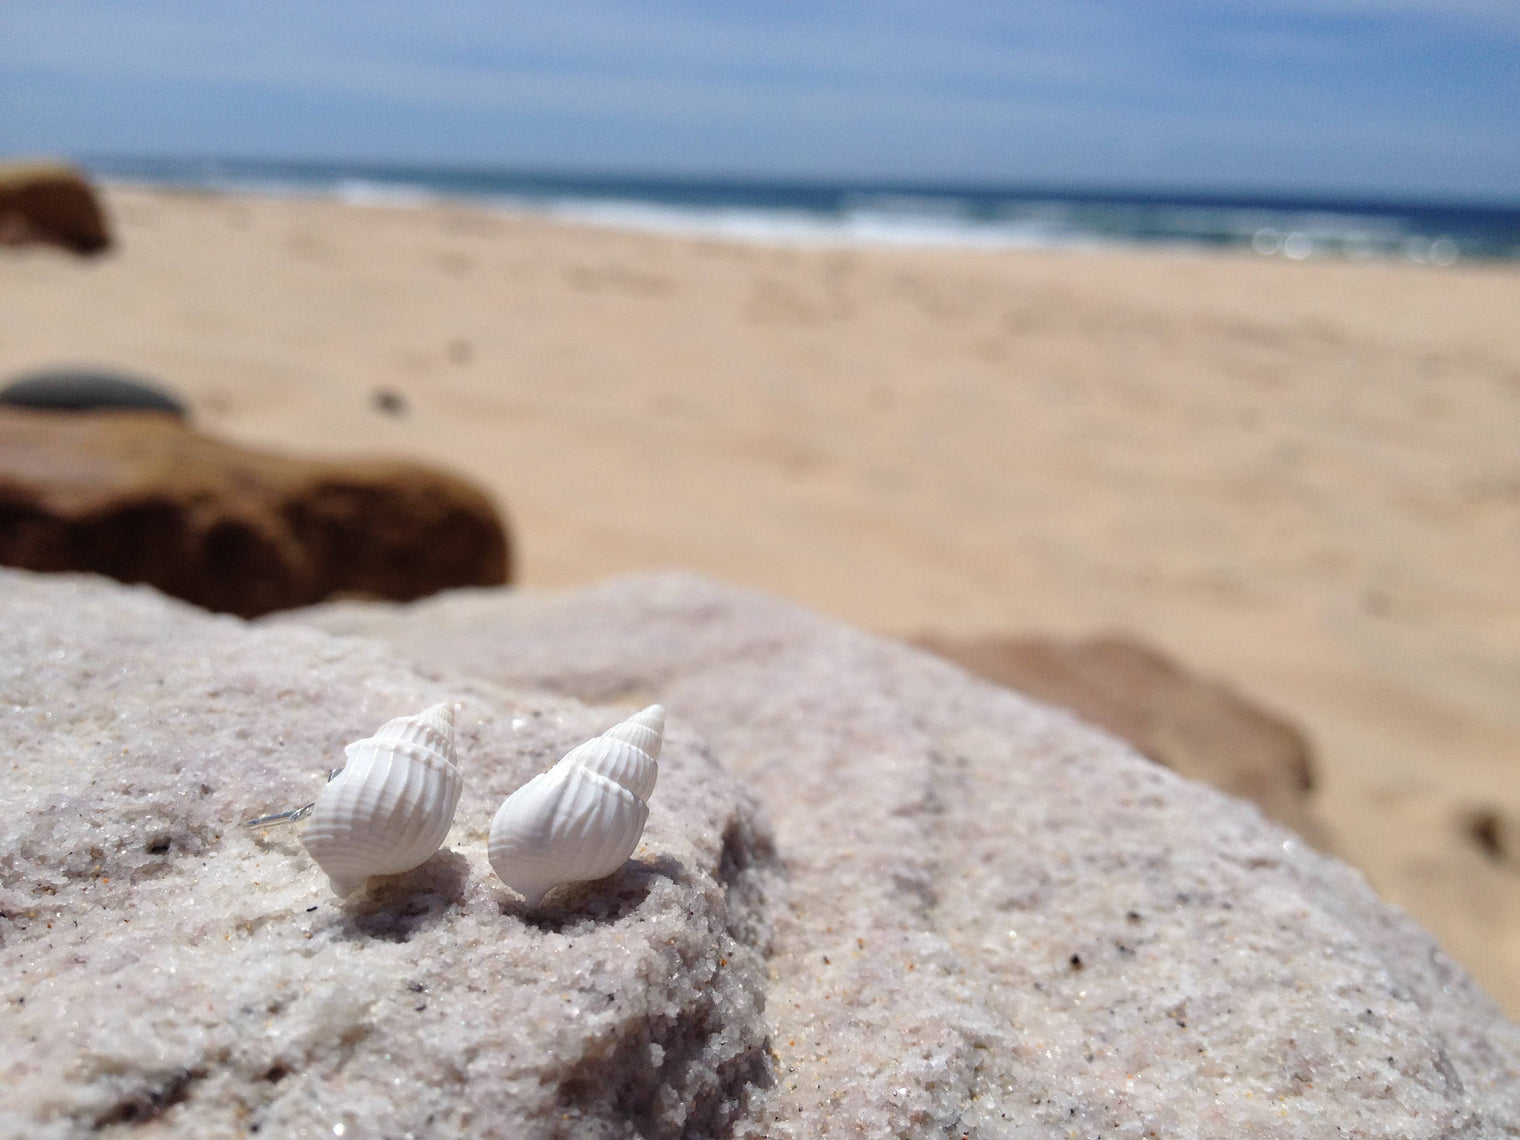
column 1302, row 478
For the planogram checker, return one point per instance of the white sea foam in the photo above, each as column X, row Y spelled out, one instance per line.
column 859, row 226
column 839, row 216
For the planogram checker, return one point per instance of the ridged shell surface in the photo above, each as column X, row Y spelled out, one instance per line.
column 392, row 805
column 583, row 818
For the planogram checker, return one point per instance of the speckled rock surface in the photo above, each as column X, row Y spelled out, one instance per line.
column 996, row 921
column 166, row 972
column 1196, row 727
column 978, row 917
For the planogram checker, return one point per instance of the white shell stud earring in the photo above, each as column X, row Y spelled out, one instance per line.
column 582, row 818
column 391, row 806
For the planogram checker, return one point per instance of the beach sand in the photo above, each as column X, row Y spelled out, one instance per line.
column 1300, row 477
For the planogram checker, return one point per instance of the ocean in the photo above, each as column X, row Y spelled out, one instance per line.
column 844, row 213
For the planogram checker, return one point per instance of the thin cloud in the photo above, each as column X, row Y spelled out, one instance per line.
column 1274, row 92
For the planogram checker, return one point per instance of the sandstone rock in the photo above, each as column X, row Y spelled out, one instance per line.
column 998, row 922
column 88, row 390
column 161, row 965
column 50, row 202
column 1195, row 727
column 978, row 917
column 142, row 498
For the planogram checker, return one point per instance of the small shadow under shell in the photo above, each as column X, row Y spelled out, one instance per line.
column 395, row 908
column 600, row 902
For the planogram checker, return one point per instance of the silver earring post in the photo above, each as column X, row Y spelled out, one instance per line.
column 294, row 815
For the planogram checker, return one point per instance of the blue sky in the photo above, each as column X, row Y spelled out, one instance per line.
column 1382, row 96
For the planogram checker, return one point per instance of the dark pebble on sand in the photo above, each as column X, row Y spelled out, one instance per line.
column 389, row 401
column 89, row 390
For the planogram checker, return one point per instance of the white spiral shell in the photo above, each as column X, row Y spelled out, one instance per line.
column 582, row 818
column 392, row 805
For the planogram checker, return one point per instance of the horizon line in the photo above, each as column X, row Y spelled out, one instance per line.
column 1203, row 194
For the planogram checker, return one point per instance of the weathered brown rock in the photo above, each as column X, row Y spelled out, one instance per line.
column 1195, row 727
column 142, row 498
column 50, row 202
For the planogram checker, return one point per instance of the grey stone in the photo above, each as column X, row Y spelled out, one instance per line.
column 1000, row 922
column 978, row 917
column 1198, row 728
column 86, row 389
column 163, row 965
